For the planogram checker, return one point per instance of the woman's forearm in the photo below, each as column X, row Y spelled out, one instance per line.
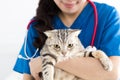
column 90, row 68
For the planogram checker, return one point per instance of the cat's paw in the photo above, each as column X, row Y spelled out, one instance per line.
column 105, row 61
column 108, row 67
column 47, row 75
column 107, row 64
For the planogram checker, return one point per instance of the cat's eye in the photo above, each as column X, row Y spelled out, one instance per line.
column 57, row 47
column 70, row 45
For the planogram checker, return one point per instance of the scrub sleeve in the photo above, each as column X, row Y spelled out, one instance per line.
column 110, row 41
column 22, row 65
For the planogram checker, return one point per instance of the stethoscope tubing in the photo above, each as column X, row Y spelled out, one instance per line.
column 95, row 22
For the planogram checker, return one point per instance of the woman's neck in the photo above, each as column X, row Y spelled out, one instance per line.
column 68, row 19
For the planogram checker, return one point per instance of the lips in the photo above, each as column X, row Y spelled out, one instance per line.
column 68, row 5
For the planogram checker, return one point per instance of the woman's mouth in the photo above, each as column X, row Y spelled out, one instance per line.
column 69, row 5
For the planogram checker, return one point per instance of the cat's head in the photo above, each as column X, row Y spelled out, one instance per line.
column 63, row 42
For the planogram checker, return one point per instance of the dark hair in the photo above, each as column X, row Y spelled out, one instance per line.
column 45, row 12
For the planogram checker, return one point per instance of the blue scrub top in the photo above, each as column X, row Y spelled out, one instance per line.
column 107, row 36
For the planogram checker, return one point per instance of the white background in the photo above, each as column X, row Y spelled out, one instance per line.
column 14, row 17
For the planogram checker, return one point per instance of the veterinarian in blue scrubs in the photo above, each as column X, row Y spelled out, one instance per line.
column 74, row 14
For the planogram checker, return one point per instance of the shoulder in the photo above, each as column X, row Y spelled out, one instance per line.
column 107, row 13
column 31, row 28
column 105, row 9
column 104, row 6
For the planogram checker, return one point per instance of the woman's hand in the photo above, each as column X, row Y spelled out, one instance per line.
column 27, row 77
column 35, row 67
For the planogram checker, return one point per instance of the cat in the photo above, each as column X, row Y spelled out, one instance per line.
column 62, row 44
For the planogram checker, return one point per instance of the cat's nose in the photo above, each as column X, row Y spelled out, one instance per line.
column 64, row 53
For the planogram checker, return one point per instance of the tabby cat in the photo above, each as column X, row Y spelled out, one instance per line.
column 61, row 45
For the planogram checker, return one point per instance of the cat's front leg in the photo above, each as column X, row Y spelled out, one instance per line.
column 48, row 68
column 48, row 73
column 104, row 59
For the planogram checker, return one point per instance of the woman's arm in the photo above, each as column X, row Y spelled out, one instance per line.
column 90, row 68
column 86, row 68
column 27, row 77
column 35, row 67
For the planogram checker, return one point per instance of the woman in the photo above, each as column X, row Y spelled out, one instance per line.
column 75, row 14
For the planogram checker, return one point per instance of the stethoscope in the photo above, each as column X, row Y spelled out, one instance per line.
column 91, row 44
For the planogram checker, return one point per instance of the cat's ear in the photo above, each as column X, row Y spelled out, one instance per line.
column 49, row 33
column 75, row 32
